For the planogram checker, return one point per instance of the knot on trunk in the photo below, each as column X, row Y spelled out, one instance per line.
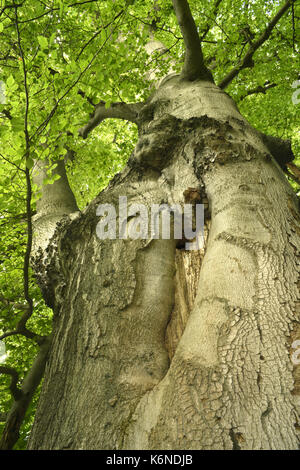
column 46, row 264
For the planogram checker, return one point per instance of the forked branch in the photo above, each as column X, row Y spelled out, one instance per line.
column 194, row 67
column 247, row 60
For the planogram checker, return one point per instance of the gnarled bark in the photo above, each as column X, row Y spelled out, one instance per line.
column 229, row 383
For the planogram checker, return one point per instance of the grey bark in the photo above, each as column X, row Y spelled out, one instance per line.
column 194, row 67
column 56, row 201
column 154, row 348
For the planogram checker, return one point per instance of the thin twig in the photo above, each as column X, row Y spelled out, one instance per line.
column 157, row 27
column 42, row 126
column 98, row 32
column 51, row 10
column 12, row 5
column 25, row 317
column 258, row 89
column 12, row 163
column 208, row 25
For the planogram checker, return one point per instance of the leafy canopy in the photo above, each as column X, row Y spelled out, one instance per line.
column 77, row 53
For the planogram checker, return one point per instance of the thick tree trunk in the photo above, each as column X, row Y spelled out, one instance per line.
column 155, row 347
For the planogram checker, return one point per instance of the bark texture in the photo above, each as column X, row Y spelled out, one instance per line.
column 56, row 201
column 220, row 375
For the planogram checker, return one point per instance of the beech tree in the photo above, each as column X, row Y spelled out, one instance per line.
column 141, row 343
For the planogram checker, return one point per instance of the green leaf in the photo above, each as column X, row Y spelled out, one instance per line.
column 10, row 81
column 61, row 8
column 43, row 42
column 17, row 124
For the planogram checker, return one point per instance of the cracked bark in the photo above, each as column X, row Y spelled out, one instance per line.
column 111, row 381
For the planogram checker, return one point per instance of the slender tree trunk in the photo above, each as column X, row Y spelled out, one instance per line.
column 155, row 347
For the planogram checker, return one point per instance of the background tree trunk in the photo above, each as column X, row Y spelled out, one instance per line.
column 220, row 375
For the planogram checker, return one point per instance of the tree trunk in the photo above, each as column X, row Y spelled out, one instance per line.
column 155, row 347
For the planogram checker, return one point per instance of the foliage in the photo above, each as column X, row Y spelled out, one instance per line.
column 79, row 53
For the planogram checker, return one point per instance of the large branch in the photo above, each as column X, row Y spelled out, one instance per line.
column 259, row 89
column 247, row 60
column 56, row 200
column 194, row 67
column 129, row 112
column 13, row 387
column 16, row 415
